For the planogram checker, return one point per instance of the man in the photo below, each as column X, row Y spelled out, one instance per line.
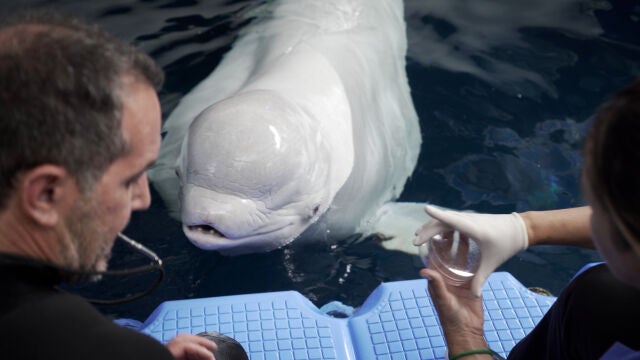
column 79, row 125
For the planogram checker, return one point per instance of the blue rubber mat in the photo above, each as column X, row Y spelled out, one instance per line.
column 397, row 321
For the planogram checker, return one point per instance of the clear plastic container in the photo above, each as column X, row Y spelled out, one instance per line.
column 452, row 253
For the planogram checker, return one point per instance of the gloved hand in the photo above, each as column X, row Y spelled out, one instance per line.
column 499, row 237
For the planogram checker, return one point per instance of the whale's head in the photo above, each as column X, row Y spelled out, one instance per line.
column 254, row 174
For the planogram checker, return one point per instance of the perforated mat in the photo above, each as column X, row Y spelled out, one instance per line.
column 397, row 321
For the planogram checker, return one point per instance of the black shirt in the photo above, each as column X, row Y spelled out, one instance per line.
column 38, row 321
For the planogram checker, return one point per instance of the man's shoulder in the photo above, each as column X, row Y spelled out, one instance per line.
column 66, row 326
column 52, row 308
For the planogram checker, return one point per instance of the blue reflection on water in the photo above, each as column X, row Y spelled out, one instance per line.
column 503, row 91
column 538, row 172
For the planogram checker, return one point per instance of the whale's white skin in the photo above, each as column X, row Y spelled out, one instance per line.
column 305, row 130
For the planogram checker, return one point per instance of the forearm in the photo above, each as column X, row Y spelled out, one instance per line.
column 559, row 227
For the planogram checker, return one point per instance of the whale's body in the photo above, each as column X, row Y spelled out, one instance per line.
column 305, row 130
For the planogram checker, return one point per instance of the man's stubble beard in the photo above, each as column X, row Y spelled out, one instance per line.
column 84, row 231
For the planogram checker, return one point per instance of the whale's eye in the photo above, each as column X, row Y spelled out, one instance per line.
column 312, row 213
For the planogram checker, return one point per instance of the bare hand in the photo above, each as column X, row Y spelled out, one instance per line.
column 191, row 347
column 460, row 312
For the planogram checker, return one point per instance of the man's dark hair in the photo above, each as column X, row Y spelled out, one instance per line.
column 60, row 89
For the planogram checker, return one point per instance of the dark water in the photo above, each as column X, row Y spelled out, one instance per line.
column 503, row 90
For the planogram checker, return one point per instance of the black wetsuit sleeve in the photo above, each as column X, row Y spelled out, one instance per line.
column 64, row 326
column 592, row 313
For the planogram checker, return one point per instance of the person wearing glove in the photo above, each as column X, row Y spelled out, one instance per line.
column 498, row 236
column 596, row 315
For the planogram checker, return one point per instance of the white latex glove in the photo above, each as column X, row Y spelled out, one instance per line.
column 499, row 237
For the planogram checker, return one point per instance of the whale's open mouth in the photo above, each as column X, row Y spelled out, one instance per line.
column 208, row 237
column 205, row 230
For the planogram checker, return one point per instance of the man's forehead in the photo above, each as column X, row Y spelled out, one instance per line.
column 141, row 118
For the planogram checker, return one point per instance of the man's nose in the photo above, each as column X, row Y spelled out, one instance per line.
column 141, row 196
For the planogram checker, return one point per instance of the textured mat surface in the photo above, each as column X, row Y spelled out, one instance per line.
column 397, row 321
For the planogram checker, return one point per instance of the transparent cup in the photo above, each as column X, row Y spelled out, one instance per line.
column 453, row 254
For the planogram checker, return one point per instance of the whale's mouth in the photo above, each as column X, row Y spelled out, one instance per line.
column 208, row 237
column 206, row 230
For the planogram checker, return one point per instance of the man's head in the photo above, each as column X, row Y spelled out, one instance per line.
column 79, row 125
column 611, row 181
column 60, row 93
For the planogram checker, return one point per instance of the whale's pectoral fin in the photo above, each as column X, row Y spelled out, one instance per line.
column 397, row 223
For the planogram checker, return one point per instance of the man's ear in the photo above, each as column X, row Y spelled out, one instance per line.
column 46, row 191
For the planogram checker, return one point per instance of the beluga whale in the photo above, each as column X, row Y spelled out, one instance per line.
column 305, row 130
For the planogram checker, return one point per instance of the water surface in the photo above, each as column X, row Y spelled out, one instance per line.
column 503, row 89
